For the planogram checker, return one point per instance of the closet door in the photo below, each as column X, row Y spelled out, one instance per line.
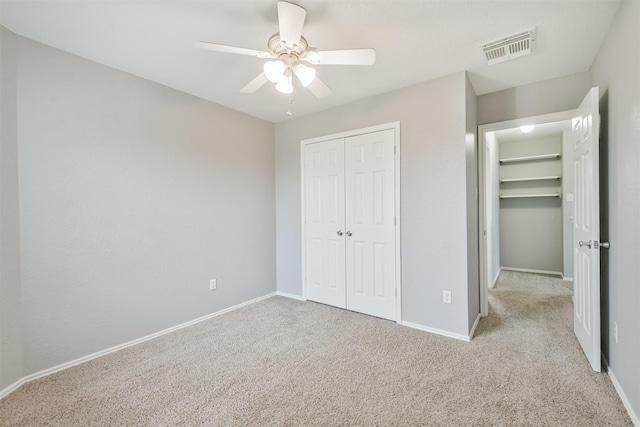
column 324, row 223
column 370, row 236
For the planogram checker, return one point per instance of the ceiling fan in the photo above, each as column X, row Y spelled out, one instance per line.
column 288, row 49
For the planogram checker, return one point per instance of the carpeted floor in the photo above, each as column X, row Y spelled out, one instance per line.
column 286, row 362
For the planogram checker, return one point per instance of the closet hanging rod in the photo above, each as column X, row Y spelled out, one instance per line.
column 527, row 158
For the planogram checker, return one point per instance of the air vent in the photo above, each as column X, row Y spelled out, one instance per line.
column 510, row 47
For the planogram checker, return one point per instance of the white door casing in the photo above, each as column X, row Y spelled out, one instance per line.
column 586, row 229
column 324, row 221
column 370, row 217
column 378, row 244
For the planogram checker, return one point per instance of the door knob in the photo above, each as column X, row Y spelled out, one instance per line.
column 349, row 233
column 339, row 233
column 583, row 243
column 602, row 245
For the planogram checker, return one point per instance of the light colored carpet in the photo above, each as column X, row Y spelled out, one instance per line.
column 286, row 362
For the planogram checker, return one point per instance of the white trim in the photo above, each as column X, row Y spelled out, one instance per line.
column 355, row 132
column 13, row 387
column 495, row 279
column 625, row 400
column 292, row 296
column 530, row 270
column 113, row 349
column 436, row 331
column 567, row 279
column 395, row 126
column 482, row 131
column 475, row 325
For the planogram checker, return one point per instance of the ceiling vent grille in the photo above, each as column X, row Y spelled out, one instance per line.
column 510, row 47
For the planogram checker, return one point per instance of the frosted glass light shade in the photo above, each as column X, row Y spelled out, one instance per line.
column 285, row 85
column 305, row 74
column 526, row 129
column 274, row 70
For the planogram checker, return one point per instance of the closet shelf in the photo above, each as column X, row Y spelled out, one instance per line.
column 530, row 158
column 535, row 178
column 521, row 196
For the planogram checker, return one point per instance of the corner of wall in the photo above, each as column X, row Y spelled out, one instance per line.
column 473, row 252
column 11, row 355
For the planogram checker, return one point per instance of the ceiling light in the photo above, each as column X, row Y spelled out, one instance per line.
column 305, row 74
column 274, row 70
column 285, row 85
column 526, row 129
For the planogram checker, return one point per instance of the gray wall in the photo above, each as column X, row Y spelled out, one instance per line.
column 549, row 96
column 473, row 255
column 616, row 71
column 433, row 194
column 11, row 367
column 132, row 196
column 531, row 228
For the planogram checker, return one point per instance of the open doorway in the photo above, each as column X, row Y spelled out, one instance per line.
column 526, row 186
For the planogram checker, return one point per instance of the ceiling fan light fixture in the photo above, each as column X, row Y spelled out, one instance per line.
column 305, row 74
column 285, row 85
column 274, row 70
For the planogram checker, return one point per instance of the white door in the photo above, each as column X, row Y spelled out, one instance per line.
column 370, row 235
column 324, row 223
column 586, row 231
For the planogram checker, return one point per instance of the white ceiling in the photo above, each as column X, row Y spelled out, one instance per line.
column 539, row 131
column 415, row 41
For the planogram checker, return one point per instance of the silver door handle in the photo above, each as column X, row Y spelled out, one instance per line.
column 339, row 233
column 349, row 233
column 602, row 245
column 583, row 243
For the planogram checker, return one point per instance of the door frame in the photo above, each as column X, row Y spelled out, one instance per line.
column 482, row 187
column 395, row 126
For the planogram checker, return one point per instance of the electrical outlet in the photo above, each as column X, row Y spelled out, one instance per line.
column 446, row 297
column 213, row 284
column 615, row 332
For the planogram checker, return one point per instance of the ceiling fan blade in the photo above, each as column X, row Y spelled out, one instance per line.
column 291, row 20
column 319, row 89
column 232, row 49
column 347, row 57
column 255, row 84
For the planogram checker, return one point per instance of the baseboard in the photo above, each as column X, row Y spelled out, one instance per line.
column 567, row 279
column 623, row 396
column 495, row 279
column 292, row 296
column 528, row 270
column 113, row 349
column 473, row 328
column 13, row 387
column 436, row 331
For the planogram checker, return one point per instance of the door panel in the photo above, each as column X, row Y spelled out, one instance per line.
column 324, row 218
column 586, row 233
column 370, row 210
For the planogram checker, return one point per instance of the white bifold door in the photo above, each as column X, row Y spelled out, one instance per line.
column 350, row 245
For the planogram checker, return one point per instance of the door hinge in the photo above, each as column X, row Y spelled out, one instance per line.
column 394, row 150
column 396, row 291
